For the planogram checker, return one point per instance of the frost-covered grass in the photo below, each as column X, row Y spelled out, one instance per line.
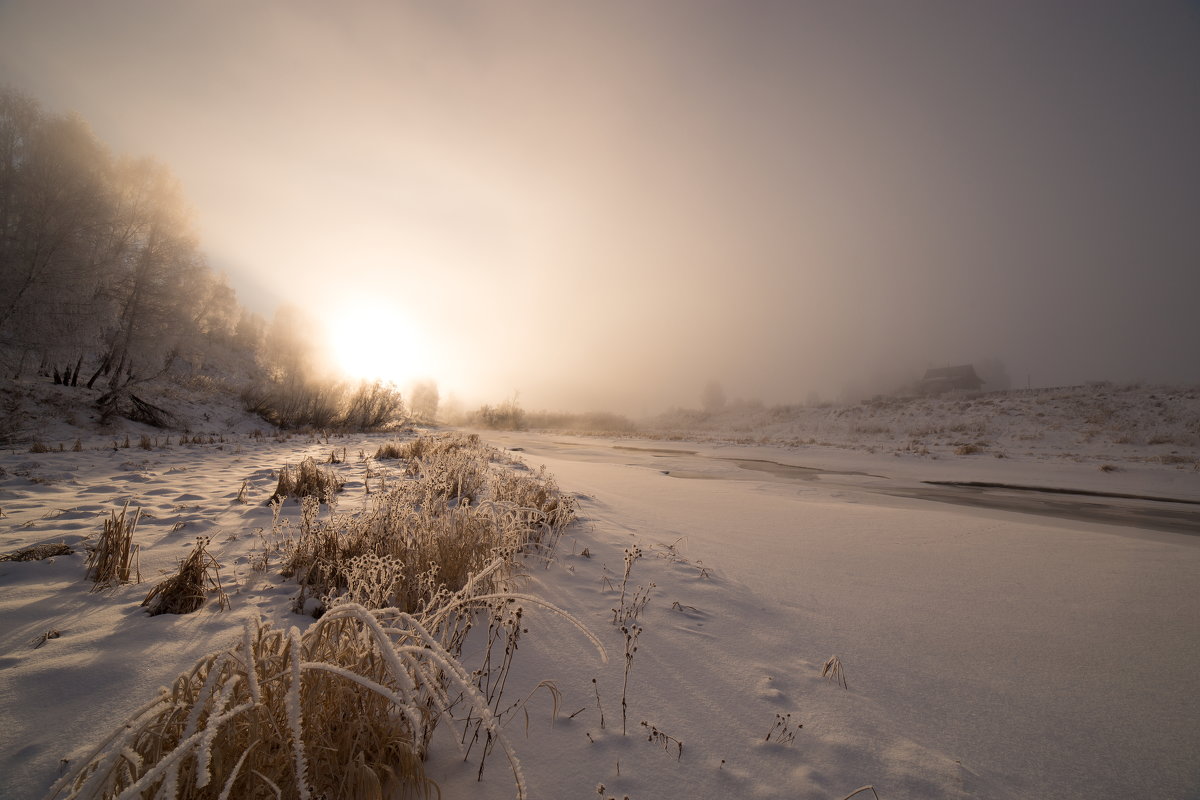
column 306, row 480
column 347, row 708
column 436, row 531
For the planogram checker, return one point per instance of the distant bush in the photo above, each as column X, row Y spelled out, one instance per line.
column 424, row 401
column 372, row 406
column 591, row 421
column 325, row 405
column 508, row 416
column 294, row 404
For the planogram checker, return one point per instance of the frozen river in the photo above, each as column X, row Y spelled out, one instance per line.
column 1046, row 653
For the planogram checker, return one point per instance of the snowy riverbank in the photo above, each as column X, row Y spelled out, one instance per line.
column 988, row 653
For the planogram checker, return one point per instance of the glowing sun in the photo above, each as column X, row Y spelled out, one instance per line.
column 376, row 341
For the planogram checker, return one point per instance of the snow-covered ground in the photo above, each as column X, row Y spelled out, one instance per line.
column 989, row 653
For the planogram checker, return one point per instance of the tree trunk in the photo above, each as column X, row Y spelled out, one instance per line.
column 104, row 365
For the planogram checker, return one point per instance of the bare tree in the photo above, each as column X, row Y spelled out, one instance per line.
column 54, row 202
column 424, row 401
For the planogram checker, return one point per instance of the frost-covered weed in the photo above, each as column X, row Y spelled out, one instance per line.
column 346, row 709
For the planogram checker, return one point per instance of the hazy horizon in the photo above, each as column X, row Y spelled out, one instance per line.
column 609, row 205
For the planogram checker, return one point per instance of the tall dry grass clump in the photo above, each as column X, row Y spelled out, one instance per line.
column 538, row 492
column 457, row 512
column 112, row 560
column 339, row 711
column 306, row 480
column 346, row 709
column 393, row 450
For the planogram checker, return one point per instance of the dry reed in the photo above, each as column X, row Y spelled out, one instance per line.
column 112, row 560
column 833, row 671
column 187, row 590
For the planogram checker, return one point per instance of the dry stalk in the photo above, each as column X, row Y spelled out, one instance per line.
column 653, row 734
column 600, row 708
column 113, row 558
column 833, row 671
column 860, row 790
column 631, row 635
column 782, row 731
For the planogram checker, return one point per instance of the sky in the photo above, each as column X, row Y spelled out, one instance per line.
column 607, row 205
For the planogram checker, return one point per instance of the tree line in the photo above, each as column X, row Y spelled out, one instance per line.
column 103, row 284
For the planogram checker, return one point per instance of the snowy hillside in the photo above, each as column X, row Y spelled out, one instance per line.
column 1091, row 424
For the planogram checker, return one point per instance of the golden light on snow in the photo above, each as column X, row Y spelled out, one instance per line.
column 377, row 341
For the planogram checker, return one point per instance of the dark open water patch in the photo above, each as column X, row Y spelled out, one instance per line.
column 1051, row 490
column 790, row 470
column 1135, row 511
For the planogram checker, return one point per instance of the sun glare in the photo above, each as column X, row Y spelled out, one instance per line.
column 374, row 341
